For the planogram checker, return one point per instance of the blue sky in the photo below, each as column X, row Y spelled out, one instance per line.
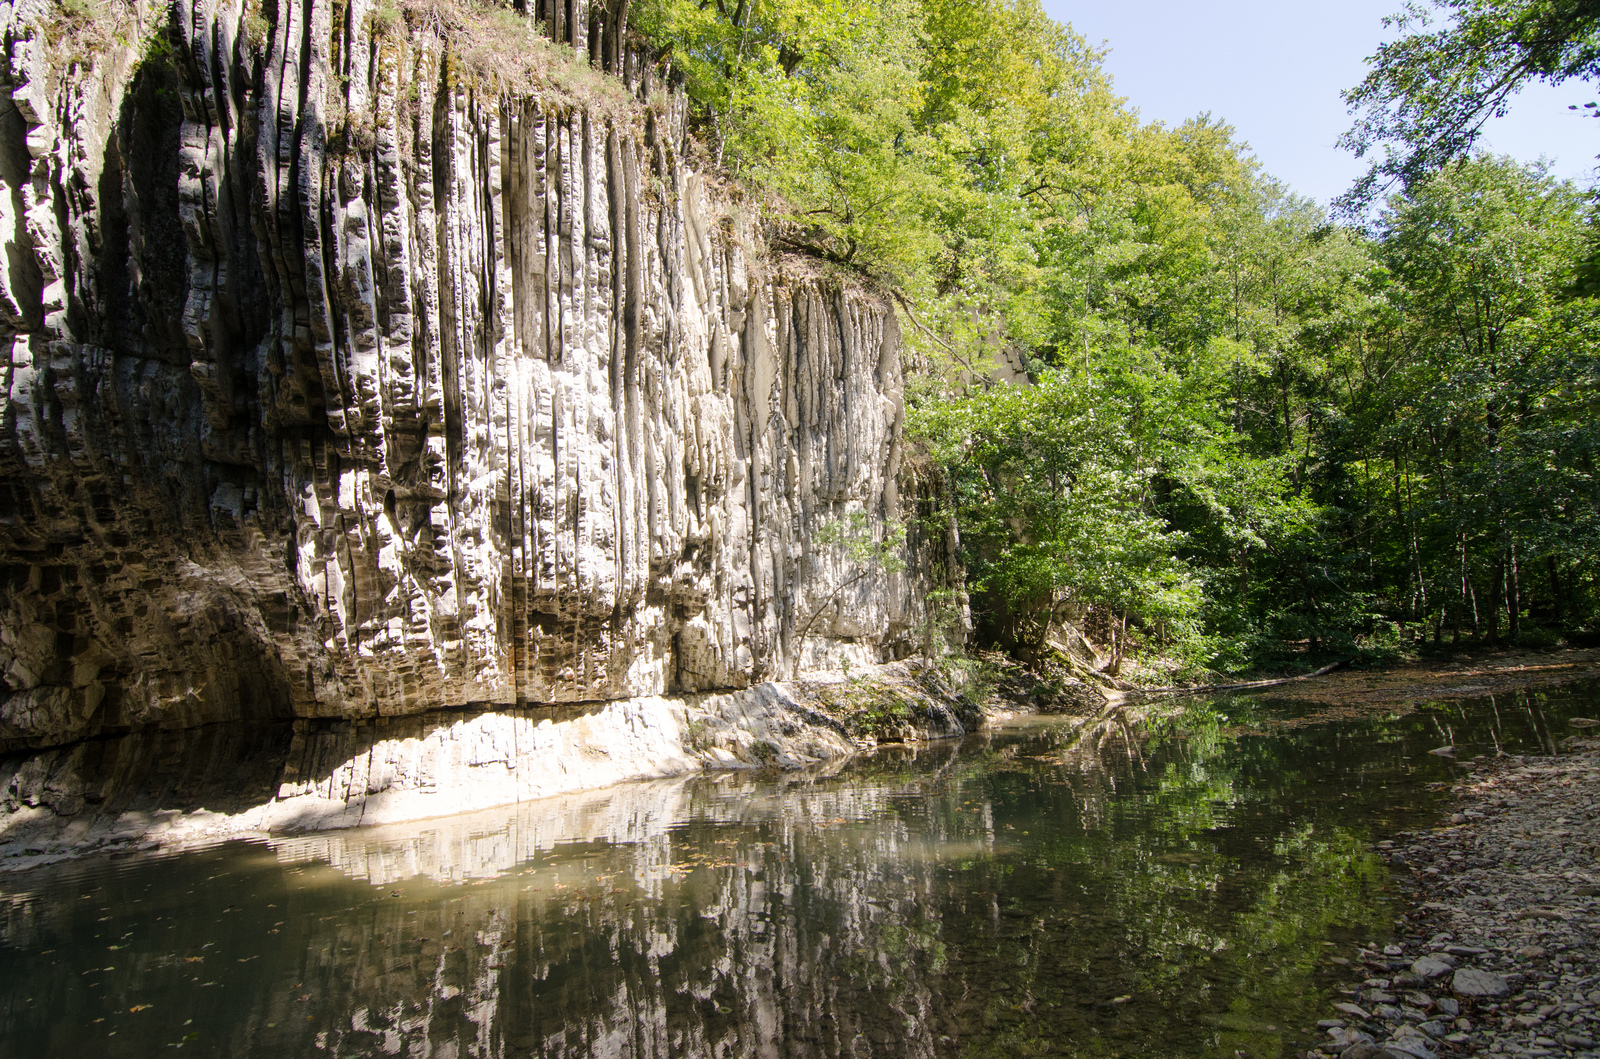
column 1274, row 71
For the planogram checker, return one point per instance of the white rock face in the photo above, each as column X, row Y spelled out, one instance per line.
column 179, row 788
column 337, row 383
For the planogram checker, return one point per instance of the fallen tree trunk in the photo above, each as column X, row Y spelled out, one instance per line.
column 1248, row 685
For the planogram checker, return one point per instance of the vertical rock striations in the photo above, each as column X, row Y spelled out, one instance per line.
column 365, row 362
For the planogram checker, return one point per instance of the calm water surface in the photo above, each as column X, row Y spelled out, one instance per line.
column 1165, row 889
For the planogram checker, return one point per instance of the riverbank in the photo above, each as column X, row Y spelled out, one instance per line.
column 172, row 790
column 1498, row 954
column 1458, row 676
column 166, row 790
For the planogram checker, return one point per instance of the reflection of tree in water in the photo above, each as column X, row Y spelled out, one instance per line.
column 1126, row 887
column 1000, row 900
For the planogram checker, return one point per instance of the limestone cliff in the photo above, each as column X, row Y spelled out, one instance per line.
column 362, row 361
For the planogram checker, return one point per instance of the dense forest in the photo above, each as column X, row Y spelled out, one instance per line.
column 1162, row 397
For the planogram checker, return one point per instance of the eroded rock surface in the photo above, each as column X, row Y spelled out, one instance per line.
column 344, row 378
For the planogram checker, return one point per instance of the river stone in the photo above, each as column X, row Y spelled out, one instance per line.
column 1368, row 1050
column 1470, row 982
column 1428, row 967
column 1449, row 1006
column 1348, row 1037
column 1353, row 1010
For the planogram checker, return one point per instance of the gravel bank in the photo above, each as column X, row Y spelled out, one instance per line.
column 1497, row 955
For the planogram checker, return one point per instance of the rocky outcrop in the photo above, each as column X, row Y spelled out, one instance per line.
column 361, row 362
column 202, row 785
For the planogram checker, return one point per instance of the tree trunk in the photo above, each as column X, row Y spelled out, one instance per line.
column 1557, row 610
column 1514, row 596
column 1496, row 596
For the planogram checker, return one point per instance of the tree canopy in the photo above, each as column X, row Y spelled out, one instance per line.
column 1457, row 64
column 1163, row 399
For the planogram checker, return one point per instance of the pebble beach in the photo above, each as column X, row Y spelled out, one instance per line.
column 1497, row 954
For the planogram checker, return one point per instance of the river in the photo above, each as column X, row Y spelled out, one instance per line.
column 1168, row 887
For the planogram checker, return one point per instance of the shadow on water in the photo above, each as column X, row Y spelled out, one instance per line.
column 1169, row 886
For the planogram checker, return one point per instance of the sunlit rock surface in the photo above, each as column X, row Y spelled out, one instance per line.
column 202, row 784
column 341, row 379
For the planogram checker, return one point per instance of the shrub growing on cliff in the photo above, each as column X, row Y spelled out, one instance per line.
column 866, row 550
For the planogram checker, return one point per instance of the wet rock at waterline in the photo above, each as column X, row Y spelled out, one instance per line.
column 350, row 380
column 180, row 788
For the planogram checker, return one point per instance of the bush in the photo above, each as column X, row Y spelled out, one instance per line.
column 1540, row 638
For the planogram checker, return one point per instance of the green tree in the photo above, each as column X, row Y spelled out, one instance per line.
column 1457, row 64
column 1162, row 394
column 1475, row 414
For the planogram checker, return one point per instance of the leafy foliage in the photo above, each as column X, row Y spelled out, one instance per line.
column 1457, row 64
column 1173, row 404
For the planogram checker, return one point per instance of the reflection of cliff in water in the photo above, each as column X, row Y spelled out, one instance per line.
column 1031, row 891
column 687, row 917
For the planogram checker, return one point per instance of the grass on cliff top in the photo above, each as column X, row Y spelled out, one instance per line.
column 483, row 42
column 79, row 32
column 489, row 43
